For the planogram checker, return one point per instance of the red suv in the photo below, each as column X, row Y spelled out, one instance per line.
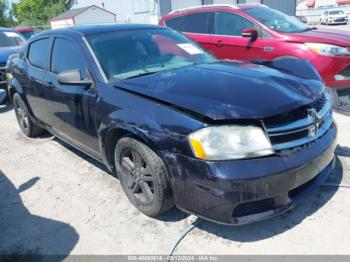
column 253, row 32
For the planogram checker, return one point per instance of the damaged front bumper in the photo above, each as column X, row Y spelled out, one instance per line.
column 245, row 191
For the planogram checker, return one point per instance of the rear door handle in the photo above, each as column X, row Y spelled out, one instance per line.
column 268, row 48
column 219, row 43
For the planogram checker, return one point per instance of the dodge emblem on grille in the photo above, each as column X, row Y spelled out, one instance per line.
column 315, row 122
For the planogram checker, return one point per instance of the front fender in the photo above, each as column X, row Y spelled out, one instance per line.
column 157, row 126
column 293, row 66
column 127, row 122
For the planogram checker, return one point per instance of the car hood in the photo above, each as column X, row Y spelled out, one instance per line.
column 336, row 37
column 226, row 90
column 5, row 52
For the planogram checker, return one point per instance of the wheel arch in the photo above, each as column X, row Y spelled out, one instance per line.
column 111, row 135
column 15, row 87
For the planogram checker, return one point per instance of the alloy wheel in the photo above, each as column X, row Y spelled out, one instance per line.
column 22, row 115
column 138, row 176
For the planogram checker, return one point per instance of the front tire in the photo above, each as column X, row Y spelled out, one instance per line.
column 143, row 176
column 27, row 126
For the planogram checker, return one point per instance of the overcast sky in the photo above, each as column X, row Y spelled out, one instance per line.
column 11, row 1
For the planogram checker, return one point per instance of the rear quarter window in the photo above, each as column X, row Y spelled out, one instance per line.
column 196, row 23
column 38, row 53
column 174, row 23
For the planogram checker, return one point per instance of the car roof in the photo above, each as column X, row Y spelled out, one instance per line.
column 211, row 7
column 24, row 29
column 96, row 29
column 247, row 6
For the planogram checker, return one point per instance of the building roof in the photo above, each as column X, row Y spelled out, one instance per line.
column 76, row 11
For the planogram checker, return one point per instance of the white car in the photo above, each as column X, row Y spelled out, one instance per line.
column 334, row 17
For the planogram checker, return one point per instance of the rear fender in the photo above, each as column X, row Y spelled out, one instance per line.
column 15, row 87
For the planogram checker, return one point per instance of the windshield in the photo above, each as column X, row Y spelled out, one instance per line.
column 337, row 12
column 27, row 34
column 8, row 39
column 132, row 53
column 276, row 20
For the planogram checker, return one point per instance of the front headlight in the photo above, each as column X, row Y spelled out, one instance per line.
column 328, row 50
column 229, row 142
column 9, row 77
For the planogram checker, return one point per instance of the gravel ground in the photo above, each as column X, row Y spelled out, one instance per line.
column 55, row 200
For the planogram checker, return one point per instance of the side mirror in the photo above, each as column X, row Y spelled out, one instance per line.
column 73, row 77
column 250, row 33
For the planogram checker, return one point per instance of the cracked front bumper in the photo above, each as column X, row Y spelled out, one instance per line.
column 245, row 191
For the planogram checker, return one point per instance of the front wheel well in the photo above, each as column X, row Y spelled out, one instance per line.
column 112, row 139
column 285, row 56
column 110, row 142
column 115, row 135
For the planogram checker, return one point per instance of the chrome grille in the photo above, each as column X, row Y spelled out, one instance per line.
column 300, row 126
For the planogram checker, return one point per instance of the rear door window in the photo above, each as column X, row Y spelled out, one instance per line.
column 196, row 23
column 174, row 23
column 38, row 53
column 67, row 55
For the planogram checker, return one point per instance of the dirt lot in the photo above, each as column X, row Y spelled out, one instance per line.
column 54, row 200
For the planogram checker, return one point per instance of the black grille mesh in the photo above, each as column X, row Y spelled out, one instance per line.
column 345, row 72
column 296, row 114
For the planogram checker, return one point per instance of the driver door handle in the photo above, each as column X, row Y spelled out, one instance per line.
column 44, row 83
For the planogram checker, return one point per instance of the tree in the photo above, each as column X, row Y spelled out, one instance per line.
column 6, row 19
column 38, row 12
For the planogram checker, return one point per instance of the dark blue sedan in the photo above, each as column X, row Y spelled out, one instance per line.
column 10, row 43
column 229, row 141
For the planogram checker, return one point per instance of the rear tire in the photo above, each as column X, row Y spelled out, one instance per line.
column 26, row 125
column 143, row 176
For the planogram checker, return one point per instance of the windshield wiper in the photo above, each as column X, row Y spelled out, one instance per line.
column 310, row 29
column 141, row 74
